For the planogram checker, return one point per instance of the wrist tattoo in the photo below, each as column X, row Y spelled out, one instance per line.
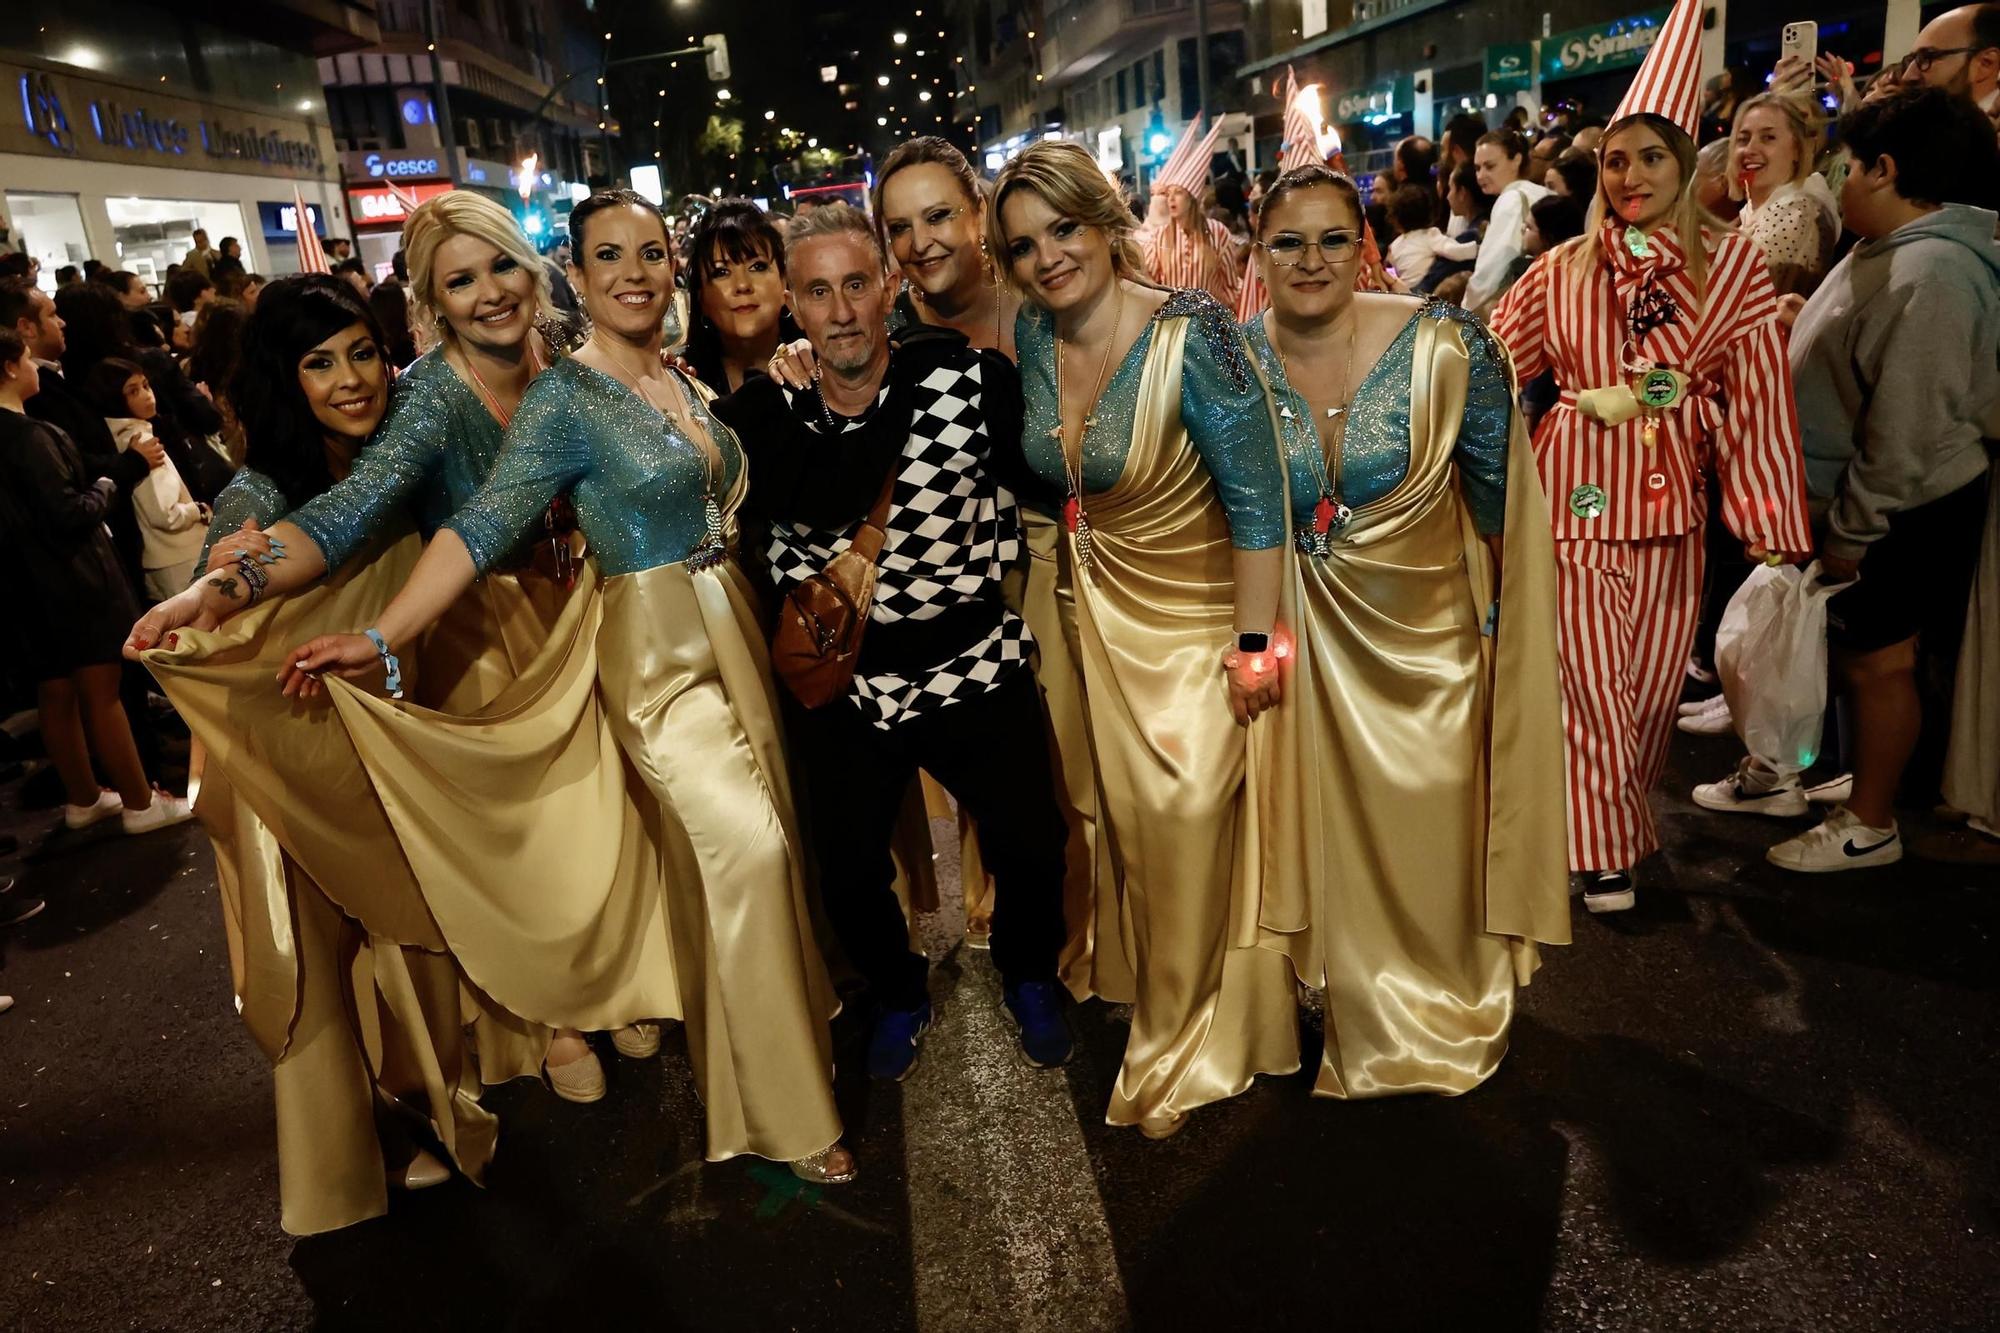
column 226, row 585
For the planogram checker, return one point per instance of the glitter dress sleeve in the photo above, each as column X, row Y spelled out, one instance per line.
column 1484, row 427
column 1229, row 421
column 544, row 455
column 387, row 476
column 249, row 495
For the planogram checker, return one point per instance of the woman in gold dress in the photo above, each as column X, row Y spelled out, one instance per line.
column 671, row 655
column 340, row 972
column 1416, row 773
column 539, row 940
column 1144, row 410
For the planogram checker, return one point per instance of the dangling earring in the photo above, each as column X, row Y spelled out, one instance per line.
column 987, row 265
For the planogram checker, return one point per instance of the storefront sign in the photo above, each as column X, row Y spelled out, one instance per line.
column 1510, row 68
column 402, row 166
column 62, row 115
column 1390, row 97
column 380, row 206
column 1600, row 47
column 281, row 220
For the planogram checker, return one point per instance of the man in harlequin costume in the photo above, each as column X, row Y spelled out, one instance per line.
column 1662, row 340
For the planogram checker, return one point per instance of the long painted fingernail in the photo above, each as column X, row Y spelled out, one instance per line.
column 173, row 641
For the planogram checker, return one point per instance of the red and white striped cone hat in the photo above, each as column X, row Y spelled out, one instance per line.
column 1668, row 84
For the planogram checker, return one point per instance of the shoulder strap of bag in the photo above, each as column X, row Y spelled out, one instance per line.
column 867, row 542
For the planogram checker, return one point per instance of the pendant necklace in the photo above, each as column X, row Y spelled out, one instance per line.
column 1323, row 455
column 1074, row 517
column 500, row 414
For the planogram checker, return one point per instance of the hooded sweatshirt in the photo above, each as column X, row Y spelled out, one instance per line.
column 171, row 524
column 1896, row 361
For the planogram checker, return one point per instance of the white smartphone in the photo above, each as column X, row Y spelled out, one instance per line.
column 1801, row 39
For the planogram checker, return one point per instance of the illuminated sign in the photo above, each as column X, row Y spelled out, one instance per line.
column 379, row 206
column 163, row 126
column 400, row 167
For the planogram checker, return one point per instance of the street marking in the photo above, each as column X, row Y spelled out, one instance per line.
column 1006, row 1223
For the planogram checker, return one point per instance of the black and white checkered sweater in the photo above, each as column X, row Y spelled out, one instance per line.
column 952, row 531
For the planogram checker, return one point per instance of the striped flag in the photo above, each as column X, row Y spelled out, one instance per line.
column 1669, row 80
column 312, row 255
column 1301, row 125
column 406, row 199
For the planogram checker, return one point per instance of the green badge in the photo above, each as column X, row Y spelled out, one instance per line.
column 1637, row 243
column 1660, row 388
column 1587, row 501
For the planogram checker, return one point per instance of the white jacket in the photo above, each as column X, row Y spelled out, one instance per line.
column 1502, row 244
column 171, row 525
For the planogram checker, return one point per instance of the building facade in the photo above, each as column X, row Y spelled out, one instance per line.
column 459, row 93
column 131, row 125
column 1122, row 77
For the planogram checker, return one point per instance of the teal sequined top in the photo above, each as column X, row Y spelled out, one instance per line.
column 434, row 449
column 1375, row 453
column 1222, row 406
column 249, row 495
column 637, row 480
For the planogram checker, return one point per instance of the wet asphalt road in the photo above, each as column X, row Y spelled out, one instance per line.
column 1757, row 1102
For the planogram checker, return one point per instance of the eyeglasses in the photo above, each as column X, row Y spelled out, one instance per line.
column 1289, row 251
column 1924, row 57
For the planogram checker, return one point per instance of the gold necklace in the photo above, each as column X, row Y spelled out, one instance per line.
column 1074, row 517
column 1324, row 456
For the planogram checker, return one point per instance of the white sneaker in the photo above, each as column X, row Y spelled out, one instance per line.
column 1747, row 791
column 1690, row 707
column 165, row 812
column 1841, row 843
column 1711, row 721
column 108, row 804
column 1609, row 891
column 1834, row 791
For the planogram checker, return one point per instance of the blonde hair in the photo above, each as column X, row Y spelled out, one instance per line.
column 1585, row 255
column 1067, row 178
column 461, row 213
column 1805, row 131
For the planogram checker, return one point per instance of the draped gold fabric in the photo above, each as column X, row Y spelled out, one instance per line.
column 704, row 915
column 1415, row 776
column 332, row 951
column 1151, row 617
column 531, row 847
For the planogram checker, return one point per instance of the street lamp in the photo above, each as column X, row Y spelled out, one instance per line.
column 901, row 39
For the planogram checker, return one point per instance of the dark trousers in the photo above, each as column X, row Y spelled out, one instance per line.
column 991, row 753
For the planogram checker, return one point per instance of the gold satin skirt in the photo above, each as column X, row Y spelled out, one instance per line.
column 347, row 993
column 1419, row 995
column 687, row 686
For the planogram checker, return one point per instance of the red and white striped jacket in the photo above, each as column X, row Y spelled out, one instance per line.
column 1174, row 260
column 1738, row 414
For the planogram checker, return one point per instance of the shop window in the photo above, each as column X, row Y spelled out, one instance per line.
column 49, row 227
column 153, row 233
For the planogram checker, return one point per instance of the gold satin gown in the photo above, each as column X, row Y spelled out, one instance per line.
column 1147, row 620
column 341, row 973
column 1415, row 776
column 668, row 662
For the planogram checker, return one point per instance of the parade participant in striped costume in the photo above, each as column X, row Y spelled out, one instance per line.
column 1186, row 249
column 1662, row 340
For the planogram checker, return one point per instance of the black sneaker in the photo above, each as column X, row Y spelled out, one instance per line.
column 1608, row 891
column 1036, row 1008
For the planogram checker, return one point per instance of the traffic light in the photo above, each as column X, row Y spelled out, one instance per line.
column 718, row 56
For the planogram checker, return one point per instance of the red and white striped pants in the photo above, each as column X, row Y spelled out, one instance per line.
column 1626, row 613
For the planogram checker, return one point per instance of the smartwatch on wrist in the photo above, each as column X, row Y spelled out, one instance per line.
column 1252, row 643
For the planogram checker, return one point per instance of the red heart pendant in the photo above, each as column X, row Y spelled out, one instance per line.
column 1323, row 515
column 1072, row 508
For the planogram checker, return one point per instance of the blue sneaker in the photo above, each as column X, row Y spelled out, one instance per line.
column 1036, row 1008
column 892, row 1049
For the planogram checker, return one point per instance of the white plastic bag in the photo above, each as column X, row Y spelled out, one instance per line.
column 1771, row 654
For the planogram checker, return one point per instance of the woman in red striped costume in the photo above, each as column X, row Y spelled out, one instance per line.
column 1661, row 337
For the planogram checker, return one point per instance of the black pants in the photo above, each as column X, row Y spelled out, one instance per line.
column 991, row 753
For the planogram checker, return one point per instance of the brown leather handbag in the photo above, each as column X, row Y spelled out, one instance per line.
column 818, row 639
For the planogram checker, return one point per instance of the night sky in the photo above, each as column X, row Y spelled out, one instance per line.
column 778, row 49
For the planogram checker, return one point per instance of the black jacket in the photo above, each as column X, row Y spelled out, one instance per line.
column 53, row 509
column 64, row 408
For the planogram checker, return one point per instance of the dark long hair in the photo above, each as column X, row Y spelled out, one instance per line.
column 94, row 327
column 282, row 438
column 734, row 231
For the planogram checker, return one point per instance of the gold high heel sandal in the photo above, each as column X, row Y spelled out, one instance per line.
column 813, row 1168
